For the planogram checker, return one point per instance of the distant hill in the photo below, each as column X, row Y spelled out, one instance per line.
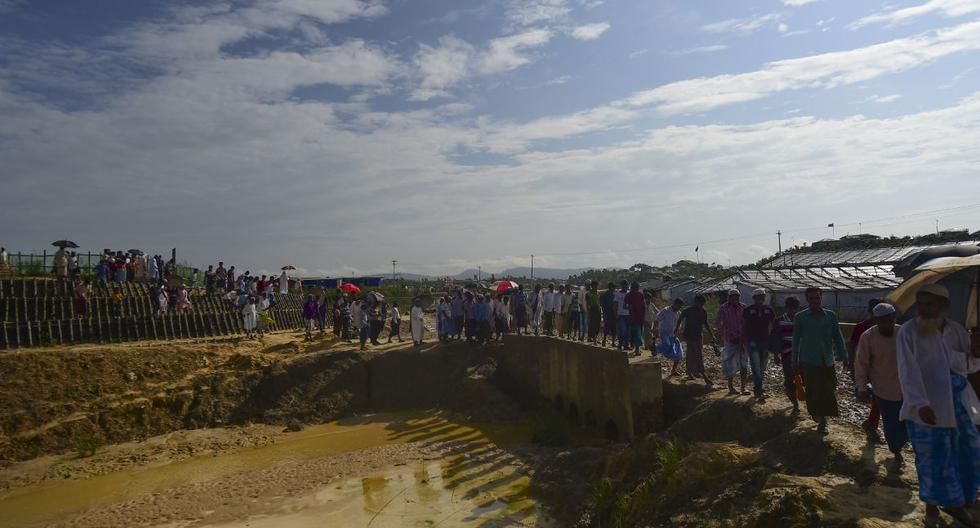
column 543, row 273
column 522, row 272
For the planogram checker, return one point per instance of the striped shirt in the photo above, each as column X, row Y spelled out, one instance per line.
column 784, row 329
column 729, row 321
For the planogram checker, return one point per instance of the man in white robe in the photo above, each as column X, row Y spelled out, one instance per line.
column 418, row 324
column 940, row 408
column 283, row 283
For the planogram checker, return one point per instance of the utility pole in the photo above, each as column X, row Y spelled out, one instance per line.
column 393, row 264
column 532, row 267
column 937, row 226
column 779, row 242
column 479, row 273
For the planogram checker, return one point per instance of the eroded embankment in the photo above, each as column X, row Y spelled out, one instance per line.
column 63, row 399
column 727, row 461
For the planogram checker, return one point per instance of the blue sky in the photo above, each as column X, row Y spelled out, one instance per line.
column 337, row 135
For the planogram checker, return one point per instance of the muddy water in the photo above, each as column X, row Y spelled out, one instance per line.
column 465, row 489
column 428, row 494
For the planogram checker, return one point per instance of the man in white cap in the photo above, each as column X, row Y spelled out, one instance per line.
column 757, row 321
column 940, row 407
column 729, row 324
column 876, row 376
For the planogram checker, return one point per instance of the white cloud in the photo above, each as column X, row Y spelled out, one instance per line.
column 884, row 98
column 743, row 26
column 454, row 60
column 949, row 8
column 559, row 80
column 529, row 12
column 638, row 53
column 590, row 31
column 700, row 49
column 827, row 70
column 797, row 3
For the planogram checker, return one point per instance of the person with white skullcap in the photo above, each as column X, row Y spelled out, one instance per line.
column 940, row 407
column 876, row 376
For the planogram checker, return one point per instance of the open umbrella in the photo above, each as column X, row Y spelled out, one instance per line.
column 136, row 251
column 374, row 297
column 960, row 275
column 505, row 285
column 65, row 244
column 287, row 268
column 348, row 287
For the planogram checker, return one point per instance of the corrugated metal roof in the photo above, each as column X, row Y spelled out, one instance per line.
column 856, row 257
column 830, row 278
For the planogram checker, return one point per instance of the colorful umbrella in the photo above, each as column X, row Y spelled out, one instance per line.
column 348, row 287
column 505, row 285
column 961, row 275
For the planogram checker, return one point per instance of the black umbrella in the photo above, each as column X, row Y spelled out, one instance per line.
column 136, row 251
column 374, row 297
column 65, row 244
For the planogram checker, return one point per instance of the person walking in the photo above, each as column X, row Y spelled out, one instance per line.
column 817, row 343
column 670, row 346
column 536, row 306
column 940, row 408
column 364, row 321
column 310, row 311
column 691, row 324
column 250, row 318
column 458, row 314
column 346, row 319
column 650, row 322
column 758, row 320
column 607, row 302
column 870, row 425
column 593, row 310
column 781, row 343
column 283, row 283
column 575, row 317
column 519, row 304
column 622, row 316
column 552, row 304
column 636, row 305
column 876, row 376
column 418, row 322
column 734, row 360
column 396, row 322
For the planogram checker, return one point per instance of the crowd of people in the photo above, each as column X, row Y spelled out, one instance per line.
column 361, row 318
column 173, row 289
column 913, row 374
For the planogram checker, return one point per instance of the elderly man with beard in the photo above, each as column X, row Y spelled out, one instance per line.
column 940, row 408
column 876, row 365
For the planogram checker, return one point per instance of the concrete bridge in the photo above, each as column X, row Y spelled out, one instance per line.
column 598, row 387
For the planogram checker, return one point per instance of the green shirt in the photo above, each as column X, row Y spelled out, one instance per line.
column 592, row 300
column 816, row 338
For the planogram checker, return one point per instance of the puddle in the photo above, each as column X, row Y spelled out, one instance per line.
column 459, row 493
column 52, row 501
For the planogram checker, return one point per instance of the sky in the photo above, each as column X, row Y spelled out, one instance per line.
column 339, row 135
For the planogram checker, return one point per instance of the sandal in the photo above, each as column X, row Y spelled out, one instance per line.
column 962, row 516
